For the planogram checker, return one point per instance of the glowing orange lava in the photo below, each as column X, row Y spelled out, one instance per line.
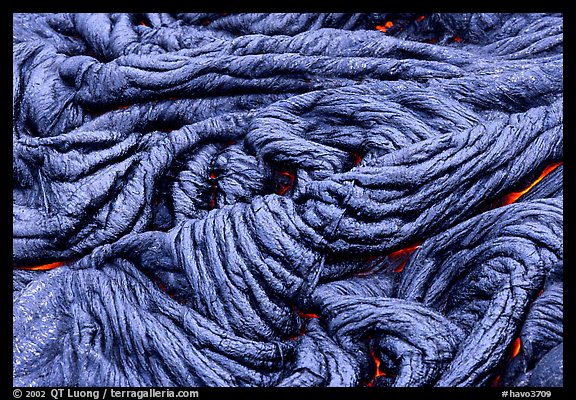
column 356, row 157
column 385, row 27
column 516, row 346
column 378, row 372
column 44, row 267
column 496, row 381
column 284, row 187
column 512, row 197
column 302, row 314
column 403, row 254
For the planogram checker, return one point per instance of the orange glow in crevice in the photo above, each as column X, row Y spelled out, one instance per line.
column 357, row 158
column 284, row 182
column 212, row 203
column 162, row 286
column 379, row 371
column 516, row 347
column 44, row 267
column 213, row 180
column 403, row 254
column 512, row 197
column 377, row 363
column 303, row 324
column 385, row 27
column 399, row 257
column 496, row 381
column 304, row 315
column 420, row 18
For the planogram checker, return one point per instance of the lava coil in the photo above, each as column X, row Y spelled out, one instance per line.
column 263, row 200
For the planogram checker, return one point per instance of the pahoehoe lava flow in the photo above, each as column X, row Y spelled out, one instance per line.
column 263, row 200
